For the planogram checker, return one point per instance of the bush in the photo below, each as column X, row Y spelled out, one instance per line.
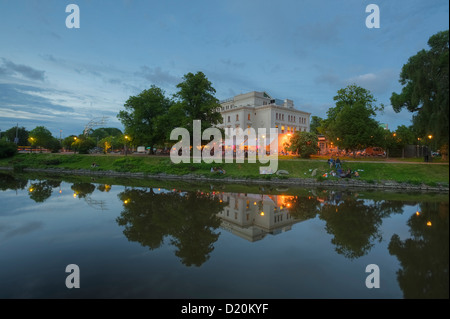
column 7, row 149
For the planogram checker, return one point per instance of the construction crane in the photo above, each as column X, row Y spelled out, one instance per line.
column 93, row 123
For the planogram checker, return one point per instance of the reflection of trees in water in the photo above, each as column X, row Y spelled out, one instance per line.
column 42, row 190
column 188, row 219
column 104, row 188
column 304, row 207
column 424, row 257
column 83, row 189
column 8, row 181
column 355, row 223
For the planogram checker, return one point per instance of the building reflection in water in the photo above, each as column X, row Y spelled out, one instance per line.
column 253, row 216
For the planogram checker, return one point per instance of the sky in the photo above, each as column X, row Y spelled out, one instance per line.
column 303, row 50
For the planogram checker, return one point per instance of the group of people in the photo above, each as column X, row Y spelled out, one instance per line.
column 332, row 162
column 339, row 171
column 218, row 170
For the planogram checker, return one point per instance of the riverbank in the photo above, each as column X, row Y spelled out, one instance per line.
column 377, row 175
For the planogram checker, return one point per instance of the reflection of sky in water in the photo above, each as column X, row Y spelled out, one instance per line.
column 38, row 240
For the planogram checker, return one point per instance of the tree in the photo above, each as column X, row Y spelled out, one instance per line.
column 40, row 136
column 83, row 144
column 425, row 89
column 403, row 136
column 316, row 122
column 7, row 149
column 68, row 141
column 197, row 102
column 103, row 132
column 111, row 142
column 304, row 144
column 140, row 116
column 350, row 124
column 22, row 134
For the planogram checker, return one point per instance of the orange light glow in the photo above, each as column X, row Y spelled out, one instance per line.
column 417, row 213
column 262, row 214
column 428, row 223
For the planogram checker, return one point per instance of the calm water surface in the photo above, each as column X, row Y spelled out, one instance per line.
column 218, row 241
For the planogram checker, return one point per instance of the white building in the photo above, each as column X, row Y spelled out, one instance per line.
column 259, row 110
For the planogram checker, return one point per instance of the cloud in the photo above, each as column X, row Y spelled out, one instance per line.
column 158, row 76
column 28, row 72
column 22, row 230
column 232, row 64
column 381, row 82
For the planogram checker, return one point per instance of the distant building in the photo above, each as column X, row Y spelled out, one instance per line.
column 325, row 146
column 259, row 110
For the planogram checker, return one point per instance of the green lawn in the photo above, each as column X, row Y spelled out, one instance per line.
column 415, row 173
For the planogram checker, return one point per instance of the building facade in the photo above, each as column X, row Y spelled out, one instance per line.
column 259, row 110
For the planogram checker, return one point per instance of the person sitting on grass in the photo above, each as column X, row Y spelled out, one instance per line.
column 356, row 174
column 347, row 174
column 217, row 170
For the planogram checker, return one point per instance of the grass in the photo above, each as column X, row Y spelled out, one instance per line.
column 372, row 172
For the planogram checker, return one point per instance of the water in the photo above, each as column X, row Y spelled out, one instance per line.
column 156, row 239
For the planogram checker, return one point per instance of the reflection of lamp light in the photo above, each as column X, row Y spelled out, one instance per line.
column 262, row 213
column 31, row 189
column 126, row 201
column 417, row 213
column 428, row 223
column 74, row 195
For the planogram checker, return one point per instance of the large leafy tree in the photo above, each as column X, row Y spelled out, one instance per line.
column 141, row 116
column 41, row 136
column 304, row 144
column 351, row 124
column 426, row 88
column 103, row 132
column 197, row 101
column 20, row 132
column 316, row 122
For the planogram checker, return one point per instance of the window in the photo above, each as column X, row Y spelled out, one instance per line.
column 249, row 116
column 282, row 129
column 237, row 117
column 228, row 118
column 282, row 117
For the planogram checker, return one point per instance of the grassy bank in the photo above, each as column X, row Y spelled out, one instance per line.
column 430, row 174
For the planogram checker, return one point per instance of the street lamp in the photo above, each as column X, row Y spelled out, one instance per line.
column 125, row 146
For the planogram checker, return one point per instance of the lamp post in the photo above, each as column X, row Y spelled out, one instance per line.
column 429, row 150
column 125, row 146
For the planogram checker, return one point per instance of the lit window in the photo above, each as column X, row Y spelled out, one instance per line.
column 249, row 117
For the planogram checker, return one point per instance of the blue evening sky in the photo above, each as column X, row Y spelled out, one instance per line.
column 302, row 50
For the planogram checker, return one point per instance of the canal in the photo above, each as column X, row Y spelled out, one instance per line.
column 161, row 239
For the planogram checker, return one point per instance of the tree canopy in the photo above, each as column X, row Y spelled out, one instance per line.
column 141, row 114
column 426, row 88
column 304, row 144
column 350, row 124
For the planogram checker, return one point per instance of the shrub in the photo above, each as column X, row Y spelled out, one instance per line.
column 7, row 149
